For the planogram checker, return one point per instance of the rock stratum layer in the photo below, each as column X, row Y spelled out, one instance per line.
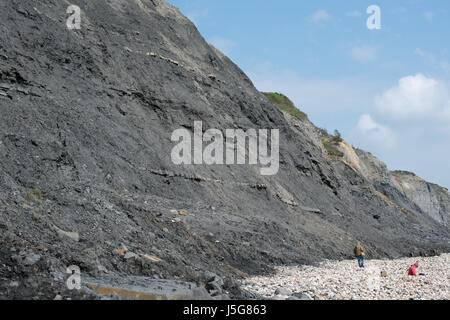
column 86, row 177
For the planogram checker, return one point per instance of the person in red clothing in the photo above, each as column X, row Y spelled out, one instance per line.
column 412, row 269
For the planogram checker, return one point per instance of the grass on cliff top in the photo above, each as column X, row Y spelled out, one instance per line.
column 403, row 172
column 409, row 173
column 442, row 189
column 285, row 104
column 331, row 142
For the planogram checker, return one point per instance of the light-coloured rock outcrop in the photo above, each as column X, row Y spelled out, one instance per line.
column 401, row 187
column 430, row 198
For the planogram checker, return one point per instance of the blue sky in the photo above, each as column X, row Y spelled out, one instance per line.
column 387, row 90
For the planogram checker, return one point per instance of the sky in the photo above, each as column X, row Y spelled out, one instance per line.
column 386, row 90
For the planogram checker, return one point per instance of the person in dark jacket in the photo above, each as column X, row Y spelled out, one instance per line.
column 360, row 254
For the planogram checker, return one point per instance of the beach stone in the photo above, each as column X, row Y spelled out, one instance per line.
column 283, row 292
column 344, row 280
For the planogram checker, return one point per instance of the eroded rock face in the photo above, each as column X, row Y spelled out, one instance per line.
column 430, row 198
column 86, row 118
column 403, row 188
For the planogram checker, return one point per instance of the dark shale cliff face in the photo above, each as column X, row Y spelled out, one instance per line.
column 86, row 118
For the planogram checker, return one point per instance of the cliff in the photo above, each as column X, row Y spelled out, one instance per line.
column 401, row 187
column 86, row 176
column 432, row 199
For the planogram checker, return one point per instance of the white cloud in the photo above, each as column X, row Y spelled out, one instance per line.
column 429, row 15
column 446, row 115
column 419, row 52
column 415, row 96
column 224, row 45
column 320, row 16
column 442, row 64
column 375, row 134
column 364, row 53
column 354, row 13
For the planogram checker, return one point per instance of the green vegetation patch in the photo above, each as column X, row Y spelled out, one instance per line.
column 332, row 150
column 33, row 195
column 330, row 142
column 404, row 173
column 285, row 104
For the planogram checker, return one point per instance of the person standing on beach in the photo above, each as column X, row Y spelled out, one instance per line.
column 359, row 254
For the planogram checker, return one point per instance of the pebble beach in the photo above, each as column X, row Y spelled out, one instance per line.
column 344, row 280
